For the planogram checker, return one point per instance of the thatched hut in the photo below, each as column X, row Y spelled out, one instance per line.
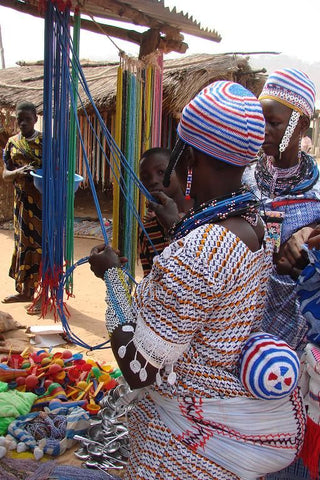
column 183, row 79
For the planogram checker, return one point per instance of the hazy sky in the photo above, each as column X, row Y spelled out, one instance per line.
column 286, row 26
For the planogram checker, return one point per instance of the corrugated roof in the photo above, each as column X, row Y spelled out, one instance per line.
column 148, row 13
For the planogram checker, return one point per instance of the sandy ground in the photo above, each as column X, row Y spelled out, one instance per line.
column 87, row 308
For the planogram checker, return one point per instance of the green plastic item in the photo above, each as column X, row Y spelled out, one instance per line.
column 116, row 373
column 96, row 372
column 13, row 404
column 3, row 386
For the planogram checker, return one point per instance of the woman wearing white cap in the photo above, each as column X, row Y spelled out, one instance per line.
column 287, row 181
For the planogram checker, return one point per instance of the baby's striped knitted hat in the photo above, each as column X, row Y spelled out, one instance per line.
column 225, row 121
column 292, row 88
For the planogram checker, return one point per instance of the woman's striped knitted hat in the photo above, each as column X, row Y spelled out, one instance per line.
column 292, row 88
column 225, row 121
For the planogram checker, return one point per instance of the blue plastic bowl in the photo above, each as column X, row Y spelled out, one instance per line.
column 37, row 180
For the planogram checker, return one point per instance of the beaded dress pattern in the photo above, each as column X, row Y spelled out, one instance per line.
column 299, row 201
column 203, row 298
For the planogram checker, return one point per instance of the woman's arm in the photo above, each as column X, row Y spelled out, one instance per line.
column 151, row 334
column 314, row 238
column 166, row 210
column 10, row 172
column 105, row 263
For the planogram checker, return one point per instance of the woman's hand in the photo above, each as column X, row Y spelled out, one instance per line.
column 166, row 209
column 25, row 170
column 292, row 257
column 103, row 258
column 12, row 175
column 314, row 238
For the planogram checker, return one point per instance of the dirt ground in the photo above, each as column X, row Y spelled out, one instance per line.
column 87, row 308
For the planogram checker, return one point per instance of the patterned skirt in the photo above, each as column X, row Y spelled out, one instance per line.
column 26, row 257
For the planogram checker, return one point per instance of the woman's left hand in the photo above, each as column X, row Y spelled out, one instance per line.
column 102, row 258
column 292, row 258
column 314, row 238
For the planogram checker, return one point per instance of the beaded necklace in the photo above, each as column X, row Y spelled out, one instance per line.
column 240, row 203
column 273, row 181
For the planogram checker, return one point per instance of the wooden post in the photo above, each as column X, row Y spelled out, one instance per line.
column 3, row 65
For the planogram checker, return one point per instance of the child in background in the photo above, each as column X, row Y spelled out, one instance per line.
column 153, row 164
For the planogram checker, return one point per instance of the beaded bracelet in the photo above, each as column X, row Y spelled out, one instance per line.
column 118, row 299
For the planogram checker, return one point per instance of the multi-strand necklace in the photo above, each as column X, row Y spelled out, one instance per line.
column 240, row 203
column 273, row 181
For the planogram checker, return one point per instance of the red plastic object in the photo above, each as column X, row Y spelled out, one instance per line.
column 110, row 385
column 31, row 381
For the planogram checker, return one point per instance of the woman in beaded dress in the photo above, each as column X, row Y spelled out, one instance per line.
column 287, row 181
column 22, row 154
column 180, row 339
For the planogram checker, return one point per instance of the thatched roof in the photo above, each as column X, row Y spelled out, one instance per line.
column 183, row 79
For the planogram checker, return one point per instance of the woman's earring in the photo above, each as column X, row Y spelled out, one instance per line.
column 300, row 145
column 188, row 186
column 293, row 122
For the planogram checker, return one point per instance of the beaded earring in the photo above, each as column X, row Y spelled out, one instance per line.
column 300, row 146
column 188, row 186
column 293, row 121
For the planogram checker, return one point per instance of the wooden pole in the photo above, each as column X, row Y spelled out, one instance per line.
column 3, row 64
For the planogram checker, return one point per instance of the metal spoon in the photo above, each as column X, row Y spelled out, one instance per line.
column 86, row 440
column 105, row 466
column 82, row 454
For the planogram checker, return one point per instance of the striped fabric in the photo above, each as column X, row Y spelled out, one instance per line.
column 76, row 423
column 157, row 236
column 291, row 87
column 225, row 121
